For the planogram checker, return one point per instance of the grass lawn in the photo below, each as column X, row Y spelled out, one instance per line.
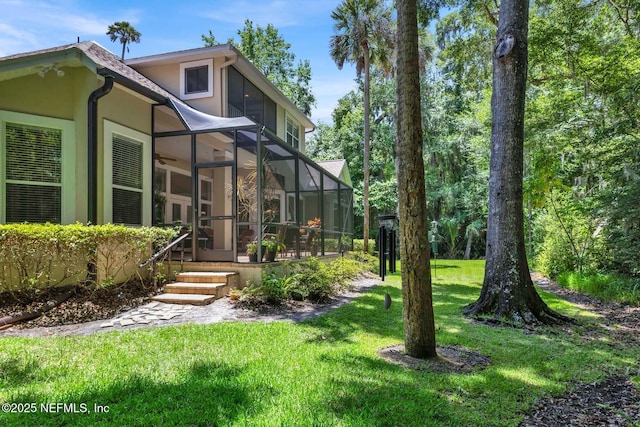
column 320, row 373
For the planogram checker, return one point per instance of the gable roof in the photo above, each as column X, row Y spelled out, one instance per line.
column 88, row 54
column 105, row 63
column 235, row 58
column 100, row 60
column 337, row 168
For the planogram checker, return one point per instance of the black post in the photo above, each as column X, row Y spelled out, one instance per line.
column 392, row 250
column 382, row 248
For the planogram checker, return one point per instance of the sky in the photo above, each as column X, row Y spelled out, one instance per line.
column 168, row 26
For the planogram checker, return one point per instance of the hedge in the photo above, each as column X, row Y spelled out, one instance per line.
column 40, row 256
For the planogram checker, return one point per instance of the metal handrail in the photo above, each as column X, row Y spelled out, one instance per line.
column 164, row 250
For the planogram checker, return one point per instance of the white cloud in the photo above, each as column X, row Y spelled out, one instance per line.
column 26, row 26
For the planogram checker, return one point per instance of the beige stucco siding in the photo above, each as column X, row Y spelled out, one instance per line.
column 168, row 76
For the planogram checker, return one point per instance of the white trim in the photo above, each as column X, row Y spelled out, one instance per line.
column 111, row 128
column 294, row 123
column 184, row 66
column 68, row 179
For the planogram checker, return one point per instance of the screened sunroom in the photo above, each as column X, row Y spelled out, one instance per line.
column 236, row 186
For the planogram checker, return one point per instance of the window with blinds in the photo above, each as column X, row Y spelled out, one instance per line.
column 127, row 181
column 33, row 175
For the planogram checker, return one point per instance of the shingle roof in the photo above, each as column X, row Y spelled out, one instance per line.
column 335, row 168
column 103, row 59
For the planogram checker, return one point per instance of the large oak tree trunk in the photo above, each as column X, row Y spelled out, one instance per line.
column 419, row 327
column 508, row 292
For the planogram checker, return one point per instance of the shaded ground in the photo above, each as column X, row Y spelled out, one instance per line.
column 612, row 402
column 450, row 359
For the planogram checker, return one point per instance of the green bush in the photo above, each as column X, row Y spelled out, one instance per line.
column 39, row 256
column 366, row 262
column 273, row 288
column 310, row 279
column 604, row 286
column 571, row 238
column 358, row 246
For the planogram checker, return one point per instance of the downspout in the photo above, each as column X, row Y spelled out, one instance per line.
column 92, row 178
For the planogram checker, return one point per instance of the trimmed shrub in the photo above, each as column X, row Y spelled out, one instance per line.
column 40, row 256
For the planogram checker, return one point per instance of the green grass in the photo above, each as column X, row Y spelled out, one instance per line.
column 604, row 286
column 320, row 373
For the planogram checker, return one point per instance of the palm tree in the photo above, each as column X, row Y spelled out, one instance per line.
column 363, row 36
column 125, row 33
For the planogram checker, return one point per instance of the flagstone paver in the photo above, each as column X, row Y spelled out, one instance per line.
column 146, row 314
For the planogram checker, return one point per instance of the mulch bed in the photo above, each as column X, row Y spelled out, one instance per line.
column 449, row 359
column 613, row 402
column 84, row 305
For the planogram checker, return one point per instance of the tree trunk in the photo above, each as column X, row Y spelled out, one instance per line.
column 467, row 249
column 365, row 186
column 419, row 327
column 508, row 292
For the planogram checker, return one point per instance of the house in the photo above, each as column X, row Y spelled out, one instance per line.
column 197, row 137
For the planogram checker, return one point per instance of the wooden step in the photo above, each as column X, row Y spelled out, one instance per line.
column 192, row 299
column 205, row 277
column 217, row 289
column 198, row 288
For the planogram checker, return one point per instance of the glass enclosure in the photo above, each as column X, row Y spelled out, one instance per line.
column 243, row 192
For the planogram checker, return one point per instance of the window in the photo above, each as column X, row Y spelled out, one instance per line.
column 293, row 134
column 37, row 169
column 34, row 173
column 180, row 184
column 196, row 79
column 127, row 181
column 127, row 195
column 245, row 99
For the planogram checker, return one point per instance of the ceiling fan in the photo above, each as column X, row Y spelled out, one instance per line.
column 161, row 159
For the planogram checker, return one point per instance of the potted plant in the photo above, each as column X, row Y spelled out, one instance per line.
column 252, row 251
column 271, row 249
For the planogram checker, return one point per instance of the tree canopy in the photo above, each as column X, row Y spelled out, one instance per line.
column 581, row 162
column 125, row 33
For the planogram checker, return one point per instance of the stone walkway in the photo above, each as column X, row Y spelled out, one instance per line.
column 146, row 314
column 158, row 314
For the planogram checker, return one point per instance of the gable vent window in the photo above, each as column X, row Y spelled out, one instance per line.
column 196, row 79
column 33, row 173
column 127, row 181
